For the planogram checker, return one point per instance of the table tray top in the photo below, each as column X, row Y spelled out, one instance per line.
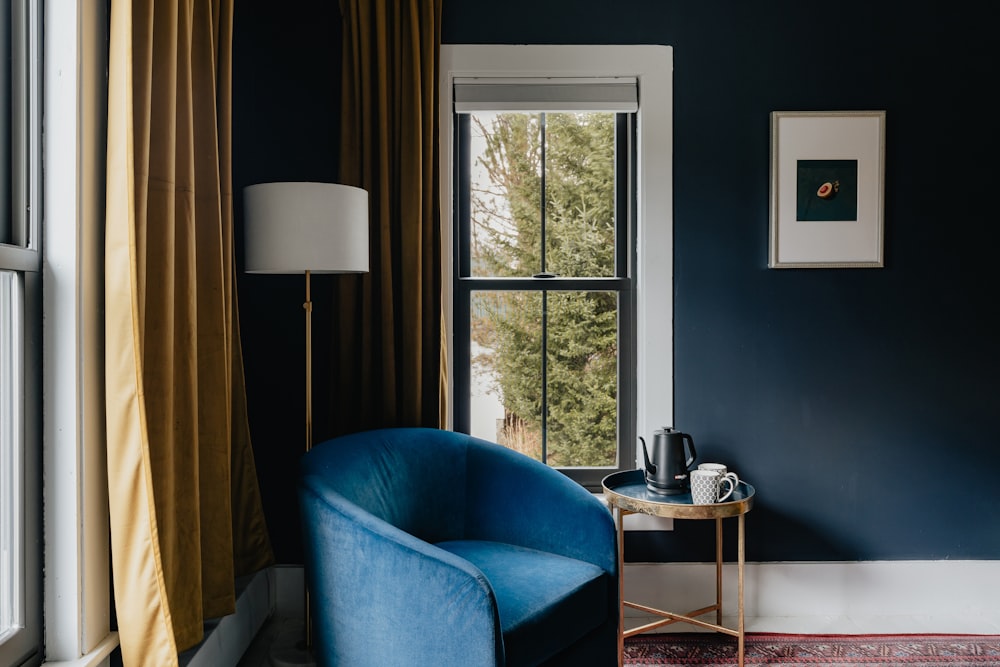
column 627, row 490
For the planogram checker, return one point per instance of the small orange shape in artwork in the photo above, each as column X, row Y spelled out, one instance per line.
column 828, row 190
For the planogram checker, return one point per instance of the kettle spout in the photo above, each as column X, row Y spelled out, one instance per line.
column 650, row 467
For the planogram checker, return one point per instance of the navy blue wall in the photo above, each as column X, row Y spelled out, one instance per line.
column 851, row 398
column 286, row 120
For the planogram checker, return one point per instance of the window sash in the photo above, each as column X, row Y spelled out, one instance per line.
column 622, row 283
column 11, row 454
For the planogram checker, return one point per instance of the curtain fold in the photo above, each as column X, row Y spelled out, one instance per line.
column 186, row 515
column 389, row 361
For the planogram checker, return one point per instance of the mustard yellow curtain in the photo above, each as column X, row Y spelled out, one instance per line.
column 390, row 368
column 186, row 517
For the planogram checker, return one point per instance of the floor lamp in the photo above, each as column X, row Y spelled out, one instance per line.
column 301, row 227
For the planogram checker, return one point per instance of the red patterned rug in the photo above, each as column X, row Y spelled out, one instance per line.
column 766, row 649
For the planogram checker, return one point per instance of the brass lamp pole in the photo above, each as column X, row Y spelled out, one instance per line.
column 308, row 307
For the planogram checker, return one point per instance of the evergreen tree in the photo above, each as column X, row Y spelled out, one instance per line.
column 577, row 161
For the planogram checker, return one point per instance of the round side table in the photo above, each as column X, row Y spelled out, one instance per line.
column 627, row 493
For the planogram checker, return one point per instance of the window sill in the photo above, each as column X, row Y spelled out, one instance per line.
column 93, row 658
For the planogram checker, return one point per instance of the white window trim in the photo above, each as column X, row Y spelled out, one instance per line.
column 652, row 65
column 76, row 596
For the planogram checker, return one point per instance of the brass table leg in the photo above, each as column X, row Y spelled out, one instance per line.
column 739, row 565
column 619, row 523
column 718, row 571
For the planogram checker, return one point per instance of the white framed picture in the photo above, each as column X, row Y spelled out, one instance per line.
column 827, row 171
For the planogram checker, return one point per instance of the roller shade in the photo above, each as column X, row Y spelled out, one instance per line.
column 618, row 94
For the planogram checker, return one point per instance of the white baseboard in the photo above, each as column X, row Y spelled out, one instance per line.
column 226, row 639
column 869, row 597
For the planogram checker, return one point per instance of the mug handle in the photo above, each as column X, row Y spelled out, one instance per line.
column 733, row 476
column 732, row 487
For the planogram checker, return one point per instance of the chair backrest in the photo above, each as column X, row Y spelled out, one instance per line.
column 412, row 478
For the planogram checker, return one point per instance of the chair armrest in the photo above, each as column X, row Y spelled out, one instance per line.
column 369, row 579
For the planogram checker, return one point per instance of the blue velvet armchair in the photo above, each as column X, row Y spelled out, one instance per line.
column 429, row 548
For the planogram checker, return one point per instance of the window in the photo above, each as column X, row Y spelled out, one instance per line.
column 547, row 155
column 20, row 294
column 543, row 288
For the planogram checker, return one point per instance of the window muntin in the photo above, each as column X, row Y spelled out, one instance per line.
column 543, row 289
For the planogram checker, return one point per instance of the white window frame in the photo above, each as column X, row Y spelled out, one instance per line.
column 76, row 598
column 652, row 65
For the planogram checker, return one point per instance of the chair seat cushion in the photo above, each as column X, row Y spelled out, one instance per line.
column 546, row 601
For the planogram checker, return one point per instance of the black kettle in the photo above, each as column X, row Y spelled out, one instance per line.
column 667, row 469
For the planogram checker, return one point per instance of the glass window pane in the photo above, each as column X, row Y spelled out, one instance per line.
column 506, row 358
column 10, row 488
column 505, row 197
column 582, row 378
column 580, row 194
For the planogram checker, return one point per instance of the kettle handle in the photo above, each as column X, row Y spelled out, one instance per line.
column 650, row 467
column 692, row 454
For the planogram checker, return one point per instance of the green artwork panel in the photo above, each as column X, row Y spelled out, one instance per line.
column 826, row 190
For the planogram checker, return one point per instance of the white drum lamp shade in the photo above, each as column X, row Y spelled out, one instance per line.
column 295, row 227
